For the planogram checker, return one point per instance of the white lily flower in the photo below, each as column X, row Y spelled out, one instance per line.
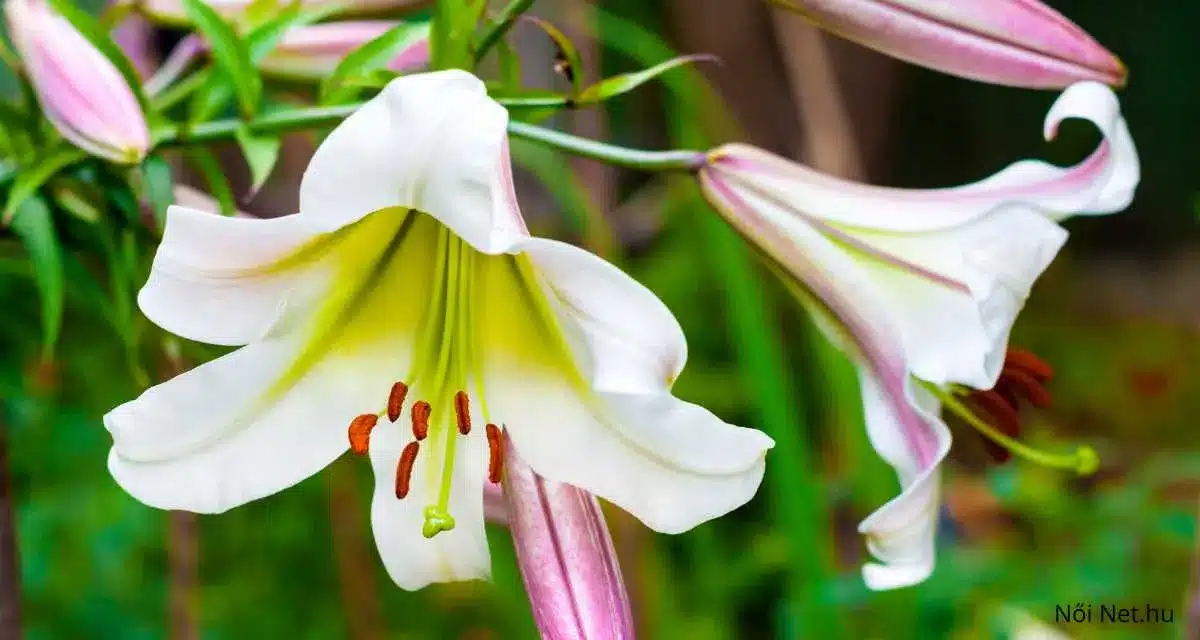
column 922, row 286
column 408, row 282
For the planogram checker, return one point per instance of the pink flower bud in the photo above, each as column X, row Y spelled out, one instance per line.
column 82, row 92
column 1011, row 42
column 314, row 51
column 566, row 557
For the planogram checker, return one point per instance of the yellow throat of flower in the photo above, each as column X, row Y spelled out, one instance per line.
column 403, row 273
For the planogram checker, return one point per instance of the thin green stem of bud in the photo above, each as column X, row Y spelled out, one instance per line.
column 318, row 117
column 653, row 161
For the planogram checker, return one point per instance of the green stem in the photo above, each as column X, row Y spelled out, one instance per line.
column 507, row 18
column 316, row 117
column 654, row 161
column 283, row 121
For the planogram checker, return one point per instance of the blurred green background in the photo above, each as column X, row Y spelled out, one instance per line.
column 1116, row 315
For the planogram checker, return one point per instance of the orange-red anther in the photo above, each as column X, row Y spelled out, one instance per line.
column 420, row 419
column 495, row 453
column 462, row 410
column 404, row 469
column 396, row 400
column 360, row 432
column 1026, row 360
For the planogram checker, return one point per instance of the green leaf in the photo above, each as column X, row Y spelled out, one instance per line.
column 510, row 65
column 454, row 23
column 230, row 52
column 261, row 151
column 35, row 227
column 218, row 185
column 266, row 36
column 78, row 199
column 530, row 98
column 158, row 187
column 94, row 31
column 211, row 98
column 32, row 179
column 370, row 57
column 626, row 82
column 569, row 62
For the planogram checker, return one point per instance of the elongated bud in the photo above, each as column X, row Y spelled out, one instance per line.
column 566, row 557
column 172, row 12
column 313, row 52
column 81, row 91
column 1010, row 42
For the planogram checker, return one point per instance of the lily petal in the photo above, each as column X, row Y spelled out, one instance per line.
column 953, row 267
column 412, row 560
column 213, row 281
column 206, row 442
column 901, row 533
column 1103, row 183
column 432, row 142
column 1011, row 42
column 670, row 463
column 634, row 342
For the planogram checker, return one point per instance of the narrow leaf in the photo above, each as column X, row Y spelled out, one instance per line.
column 262, row 152
column 266, row 36
column 211, row 98
column 35, row 227
column 453, row 27
column 369, row 58
column 94, row 31
column 158, row 187
column 510, row 65
column 78, row 199
column 530, row 98
column 626, row 82
column 230, row 52
column 568, row 61
column 218, row 185
column 30, row 180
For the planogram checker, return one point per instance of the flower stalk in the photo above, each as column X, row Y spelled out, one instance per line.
column 317, row 117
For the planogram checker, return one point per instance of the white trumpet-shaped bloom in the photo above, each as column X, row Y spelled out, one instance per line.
column 922, row 286
column 409, row 262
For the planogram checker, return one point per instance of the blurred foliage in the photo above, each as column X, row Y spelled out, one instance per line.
column 1116, row 315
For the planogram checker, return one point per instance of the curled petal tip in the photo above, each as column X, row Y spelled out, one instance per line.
column 1010, row 42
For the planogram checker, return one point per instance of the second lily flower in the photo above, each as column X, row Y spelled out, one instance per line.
column 922, row 286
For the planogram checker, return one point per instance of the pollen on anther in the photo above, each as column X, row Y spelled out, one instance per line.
column 396, row 400
column 404, row 469
column 462, row 411
column 1026, row 360
column 360, row 432
column 1022, row 383
column 420, row 419
column 495, row 453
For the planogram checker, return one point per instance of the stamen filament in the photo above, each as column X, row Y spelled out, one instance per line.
column 1083, row 460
